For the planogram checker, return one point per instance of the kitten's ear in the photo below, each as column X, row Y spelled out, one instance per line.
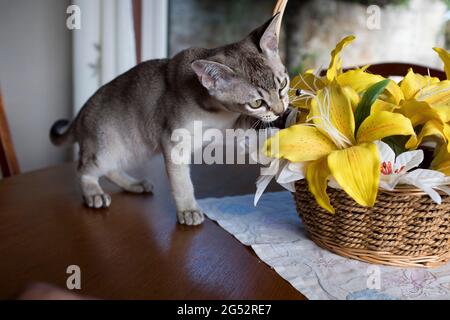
column 213, row 75
column 270, row 37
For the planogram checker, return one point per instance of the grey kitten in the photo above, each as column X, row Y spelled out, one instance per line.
column 132, row 118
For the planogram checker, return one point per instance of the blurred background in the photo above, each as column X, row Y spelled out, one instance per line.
column 50, row 62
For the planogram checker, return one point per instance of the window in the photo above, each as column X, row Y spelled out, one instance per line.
column 386, row 31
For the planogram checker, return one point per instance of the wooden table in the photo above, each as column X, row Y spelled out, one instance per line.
column 133, row 250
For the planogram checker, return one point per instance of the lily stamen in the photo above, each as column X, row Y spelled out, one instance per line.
column 326, row 124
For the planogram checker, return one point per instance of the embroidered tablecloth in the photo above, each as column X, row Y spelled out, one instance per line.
column 275, row 232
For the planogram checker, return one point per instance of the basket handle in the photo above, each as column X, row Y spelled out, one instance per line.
column 280, row 7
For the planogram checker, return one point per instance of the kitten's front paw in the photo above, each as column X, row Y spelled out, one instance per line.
column 190, row 217
column 98, row 201
column 143, row 186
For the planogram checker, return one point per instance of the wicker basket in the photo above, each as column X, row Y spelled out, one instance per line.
column 405, row 228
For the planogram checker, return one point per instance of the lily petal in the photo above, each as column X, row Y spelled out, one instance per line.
column 353, row 96
column 409, row 160
column 303, row 87
column 394, row 168
column 357, row 170
column 431, row 178
column 299, row 143
column 389, row 184
column 290, row 172
column 272, row 169
column 445, row 189
column 436, row 94
column 381, row 105
column 441, row 161
column 267, row 174
column 419, row 112
column 383, row 124
column 443, row 112
column 425, row 188
column 427, row 180
column 394, row 93
column 386, row 152
column 445, row 57
column 414, row 83
column 332, row 113
column 431, row 129
column 308, row 81
column 317, row 175
column 447, row 135
column 360, row 81
column 335, row 63
column 261, row 185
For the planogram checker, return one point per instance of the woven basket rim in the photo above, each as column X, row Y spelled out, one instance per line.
column 404, row 189
column 384, row 258
column 410, row 190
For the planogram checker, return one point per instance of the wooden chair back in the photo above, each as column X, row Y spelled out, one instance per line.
column 8, row 159
column 401, row 69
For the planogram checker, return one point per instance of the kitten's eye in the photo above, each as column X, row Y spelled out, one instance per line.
column 283, row 84
column 256, row 104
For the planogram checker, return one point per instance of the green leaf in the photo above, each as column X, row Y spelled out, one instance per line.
column 397, row 143
column 368, row 99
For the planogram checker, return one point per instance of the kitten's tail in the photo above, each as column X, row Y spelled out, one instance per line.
column 57, row 134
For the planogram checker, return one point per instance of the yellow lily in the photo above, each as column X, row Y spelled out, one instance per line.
column 445, row 57
column 335, row 67
column 436, row 94
column 360, row 80
column 330, row 146
column 441, row 161
column 427, row 104
column 426, row 88
column 381, row 105
column 305, row 87
column 413, row 83
column 431, row 120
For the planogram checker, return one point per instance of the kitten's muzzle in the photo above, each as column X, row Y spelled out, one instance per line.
column 278, row 110
column 269, row 118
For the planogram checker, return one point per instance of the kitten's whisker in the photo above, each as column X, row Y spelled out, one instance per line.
column 309, row 87
column 318, row 71
column 300, row 98
column 255, row 125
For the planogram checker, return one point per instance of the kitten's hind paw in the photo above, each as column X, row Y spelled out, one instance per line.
column 98, row 201
column 190, row 217
column 143, row 186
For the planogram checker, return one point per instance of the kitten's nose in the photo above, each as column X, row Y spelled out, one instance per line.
column 278, row 109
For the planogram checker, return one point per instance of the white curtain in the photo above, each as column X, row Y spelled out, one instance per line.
column 104, row 47
column 155, row 33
